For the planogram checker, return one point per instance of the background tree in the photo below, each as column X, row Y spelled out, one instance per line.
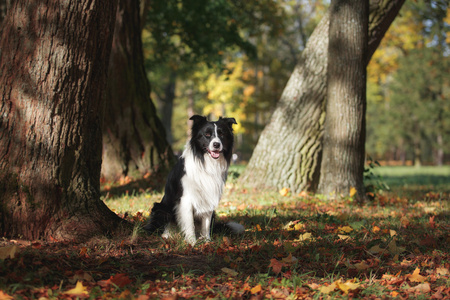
column 134, row 140
column 53, row 60
column 288, row 153
column 344, row 139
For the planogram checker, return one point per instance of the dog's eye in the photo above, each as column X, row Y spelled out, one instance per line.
column 208, row 134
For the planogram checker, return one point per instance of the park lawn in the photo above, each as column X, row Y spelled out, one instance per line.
column 295, row 246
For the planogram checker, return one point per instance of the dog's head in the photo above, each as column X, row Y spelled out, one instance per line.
column 214, row 138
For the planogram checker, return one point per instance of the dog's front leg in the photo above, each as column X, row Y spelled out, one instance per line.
column 205, row 231
column 185, row 218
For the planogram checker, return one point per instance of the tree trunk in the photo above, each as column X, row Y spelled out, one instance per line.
column 288, row 153
column 134, row 140
column 54, row 57
column 344, row 139
column 165, row 105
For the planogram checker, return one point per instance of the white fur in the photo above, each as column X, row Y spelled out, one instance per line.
column 202, row 189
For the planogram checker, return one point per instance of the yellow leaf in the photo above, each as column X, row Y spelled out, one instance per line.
column 304, row 237
column 347, row 286
column 328, row 289
column 8, row 251
column 258, row 227
column 79, row 290
column 345, row 229
column 256, row 289
column 229, row 271
column 344, row 237
column 415, row 276
column 284, row 192
column 352, row 192
column 392, row 232
column 299, row 226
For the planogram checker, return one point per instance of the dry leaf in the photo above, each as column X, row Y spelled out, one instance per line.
column 347, row 286
column 328, row 289
column 290, row 259
column 415, row 276
column 376, row 229
column 361, row 266
column 304, row 237
column 344, row 237
column 4, row 296
column 421, row 288
column 256, row 289
column 376, row 250
column 284, row 192
column 8, row 251
column 276, row 265
column 79, row 290
column 442, row 271
column 229, row 271
column 345, row 229
column 352, row 192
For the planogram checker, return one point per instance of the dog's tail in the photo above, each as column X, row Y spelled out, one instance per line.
column 226, row 228
column 159, row 218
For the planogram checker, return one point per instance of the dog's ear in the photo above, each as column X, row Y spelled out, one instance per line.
column 198, row 120
column 228, row 121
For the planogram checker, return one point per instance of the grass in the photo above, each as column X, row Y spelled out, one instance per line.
column 293, row 247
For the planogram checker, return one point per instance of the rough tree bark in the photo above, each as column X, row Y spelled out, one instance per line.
column 344, row 138
column 288, row 153
column 134, row 140
column 53, row 67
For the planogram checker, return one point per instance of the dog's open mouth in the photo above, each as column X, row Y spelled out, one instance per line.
column 214, row 154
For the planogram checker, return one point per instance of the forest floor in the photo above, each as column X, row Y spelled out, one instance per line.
column 296, row 246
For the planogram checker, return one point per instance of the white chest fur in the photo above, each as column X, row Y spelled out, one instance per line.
column 204, row 181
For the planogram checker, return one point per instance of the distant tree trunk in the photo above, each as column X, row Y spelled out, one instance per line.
column 134, row 140
column 288, row 153
column 344, row 140
column 54, row 58
column 165, row 105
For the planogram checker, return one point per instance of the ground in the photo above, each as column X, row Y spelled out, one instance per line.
column 295, row 246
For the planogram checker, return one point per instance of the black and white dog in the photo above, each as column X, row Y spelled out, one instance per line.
column 194, row 186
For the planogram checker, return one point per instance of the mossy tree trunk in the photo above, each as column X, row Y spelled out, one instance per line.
column 134, row 140
column 289, row 150
column 53, row 66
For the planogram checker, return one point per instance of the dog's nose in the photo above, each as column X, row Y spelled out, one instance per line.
column 216, row 145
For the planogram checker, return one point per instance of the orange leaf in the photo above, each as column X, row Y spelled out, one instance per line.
column 284, row 192
column 4, row 296
column 256, row 289
column 120, row 280
column 276, row 265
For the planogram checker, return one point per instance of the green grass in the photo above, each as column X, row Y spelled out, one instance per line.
column 292, row 247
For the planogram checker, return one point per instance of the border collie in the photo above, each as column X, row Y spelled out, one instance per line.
column 195, row 184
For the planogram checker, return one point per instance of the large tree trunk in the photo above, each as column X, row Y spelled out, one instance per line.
column 53, row 60
column 344, row 139
column 134, row 140
column 288, row 153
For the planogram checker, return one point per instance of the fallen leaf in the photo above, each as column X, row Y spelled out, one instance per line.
column 290, row 259
column 442, row 271
column 376, row 250
column 79, row 290
column 415, row 276
column 375, row 229
column 4, row 296
column 120, row 280
column 421, row 288
column 256, row 289
column 284, row 192
column 229, row 271
column 344, row 237
column 328, row 289
column 276, row 265
column 304, row 237
column 394, row 249
column 392, row 232
column 345, row 229
column 352, row 192
column 361, row 266
column 347, row 286
column 8, row 251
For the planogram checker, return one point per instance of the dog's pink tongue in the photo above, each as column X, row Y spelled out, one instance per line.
column 215, row 154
